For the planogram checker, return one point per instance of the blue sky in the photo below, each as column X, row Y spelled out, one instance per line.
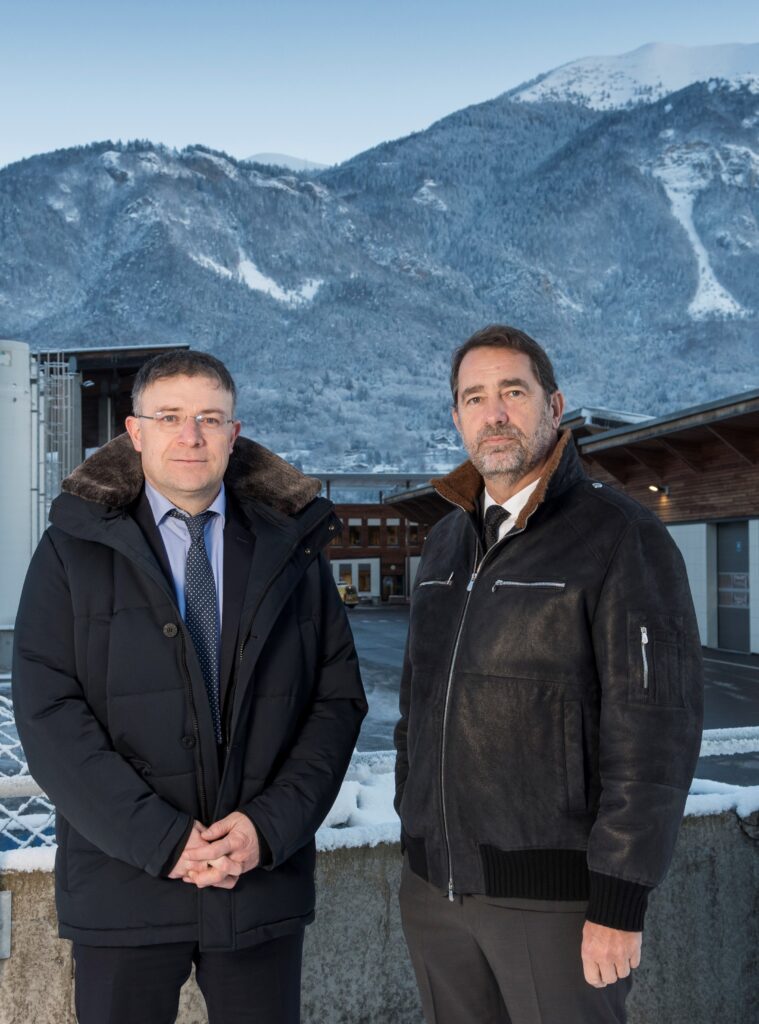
column 321, row 80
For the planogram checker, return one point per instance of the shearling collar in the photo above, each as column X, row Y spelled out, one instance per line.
column 113, row 476
column 464, row 485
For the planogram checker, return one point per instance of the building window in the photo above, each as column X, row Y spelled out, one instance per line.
column 373, row 531
column 413, row 533
column 354, row 533
column 364, row 578
column 393, row 534
column 346, row 572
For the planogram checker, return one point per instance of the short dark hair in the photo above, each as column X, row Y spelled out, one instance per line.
column 503, row 336
column 182, row 363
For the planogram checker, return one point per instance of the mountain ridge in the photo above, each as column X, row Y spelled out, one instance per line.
column 336, row 297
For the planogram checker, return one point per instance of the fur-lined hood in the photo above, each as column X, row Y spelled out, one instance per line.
column 464, row 485
column 113, row 476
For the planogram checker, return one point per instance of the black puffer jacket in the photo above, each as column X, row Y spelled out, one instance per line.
column 112, row 711
column 551, row 699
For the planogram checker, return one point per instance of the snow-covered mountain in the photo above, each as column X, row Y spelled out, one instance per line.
column 643, row 75
column 627, row 241
column 292, row 163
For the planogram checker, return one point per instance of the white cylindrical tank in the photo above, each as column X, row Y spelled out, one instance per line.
column 15, row 474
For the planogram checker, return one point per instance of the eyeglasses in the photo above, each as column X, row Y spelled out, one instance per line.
column 172, row 422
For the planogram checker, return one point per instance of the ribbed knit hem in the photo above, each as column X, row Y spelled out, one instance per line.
column 617, row 903
column 535, row 874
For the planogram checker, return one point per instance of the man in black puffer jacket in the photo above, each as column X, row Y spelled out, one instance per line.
column 187, row 693
column 551, row 707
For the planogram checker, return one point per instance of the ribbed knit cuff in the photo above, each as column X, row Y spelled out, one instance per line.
column 616, row 903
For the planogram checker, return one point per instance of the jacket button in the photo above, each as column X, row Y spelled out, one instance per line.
column 170, row 629
column 332, row 528
column 307, row 551
column 188, row 742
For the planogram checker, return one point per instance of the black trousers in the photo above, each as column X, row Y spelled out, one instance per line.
column 140, row 984
column 480, row 962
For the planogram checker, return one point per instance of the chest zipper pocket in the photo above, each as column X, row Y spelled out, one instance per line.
column 533, row 584
column 438, row 583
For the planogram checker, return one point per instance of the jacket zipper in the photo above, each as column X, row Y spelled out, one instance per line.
column 475, row 573
column 644, row 655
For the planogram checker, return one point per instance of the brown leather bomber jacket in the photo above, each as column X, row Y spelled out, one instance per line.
column 551, row 699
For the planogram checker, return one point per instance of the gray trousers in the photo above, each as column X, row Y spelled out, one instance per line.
column 478, row 961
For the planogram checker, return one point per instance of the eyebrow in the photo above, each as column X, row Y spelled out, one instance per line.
column 508, row 382
column 178, row 408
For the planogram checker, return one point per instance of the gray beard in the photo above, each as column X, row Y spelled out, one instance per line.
column 516, row 459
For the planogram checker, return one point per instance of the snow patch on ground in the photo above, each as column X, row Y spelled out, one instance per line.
column 209, row 264
column 249, row 274
column 262, row 181
column 425, row 195
column 684, row 171
column 725, row 742
column 65, row 207
column 111, row 161
column 224, row 165
column 363, row 814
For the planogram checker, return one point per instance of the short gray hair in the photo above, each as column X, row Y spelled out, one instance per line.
column 182, row 363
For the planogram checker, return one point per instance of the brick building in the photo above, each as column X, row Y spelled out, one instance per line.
column 378, row 551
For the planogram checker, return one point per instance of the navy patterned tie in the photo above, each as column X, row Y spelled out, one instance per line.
column 202, row 610
column 494, row 516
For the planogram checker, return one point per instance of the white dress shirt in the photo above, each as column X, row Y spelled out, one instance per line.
column 513, row 506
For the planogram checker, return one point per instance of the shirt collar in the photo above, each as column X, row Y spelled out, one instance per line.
column 161, row 506
column 516, row 502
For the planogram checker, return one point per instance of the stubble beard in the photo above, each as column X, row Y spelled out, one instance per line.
column 518, row 457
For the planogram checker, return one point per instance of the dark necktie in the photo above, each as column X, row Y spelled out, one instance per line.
column 202, row 610
column 494, row 516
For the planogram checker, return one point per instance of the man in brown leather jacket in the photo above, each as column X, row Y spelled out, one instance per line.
column 551, row 708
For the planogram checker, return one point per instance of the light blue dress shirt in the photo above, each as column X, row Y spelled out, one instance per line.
column 176, row 540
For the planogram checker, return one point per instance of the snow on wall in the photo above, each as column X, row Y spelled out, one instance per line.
column 363, row 813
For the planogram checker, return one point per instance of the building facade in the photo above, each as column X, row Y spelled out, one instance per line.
column 377, row 552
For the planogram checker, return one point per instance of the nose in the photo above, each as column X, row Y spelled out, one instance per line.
column 496, row 411
column 190, row 433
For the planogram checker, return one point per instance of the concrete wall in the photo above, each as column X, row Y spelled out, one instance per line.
column 700, row 951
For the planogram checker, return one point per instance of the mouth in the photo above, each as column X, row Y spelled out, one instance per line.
column 498, row 439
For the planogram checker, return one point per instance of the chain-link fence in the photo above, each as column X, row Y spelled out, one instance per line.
column 27, row 817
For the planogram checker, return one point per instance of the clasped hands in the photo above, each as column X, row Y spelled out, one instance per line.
column 219, row 854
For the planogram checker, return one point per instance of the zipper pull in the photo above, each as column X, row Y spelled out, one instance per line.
column 450, row 890
column 470, row 584
column 643, row 635
column 643, row 643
